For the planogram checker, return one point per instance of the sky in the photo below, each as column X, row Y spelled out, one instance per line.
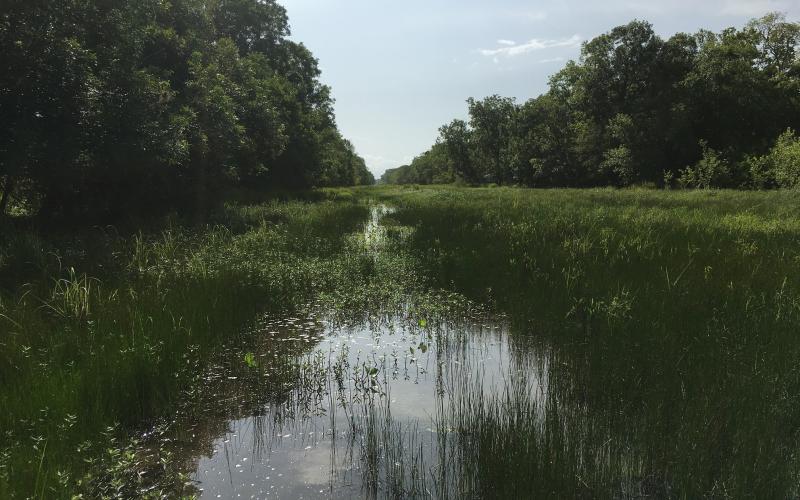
column 401, row 69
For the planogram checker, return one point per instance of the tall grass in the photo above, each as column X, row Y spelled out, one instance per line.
column 669, row 322
column 675, row 315
column 104, row 330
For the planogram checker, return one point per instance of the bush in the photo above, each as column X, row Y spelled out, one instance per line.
column 778, row 168
column 712, row 171
column 618, row 162
column 760, row 172
column 785, row 159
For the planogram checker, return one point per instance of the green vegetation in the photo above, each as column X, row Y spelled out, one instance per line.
column 651, row 336
column 130, row 108
column 703, row 110
column 672, row 318
column 431, row 167
column 105, row 330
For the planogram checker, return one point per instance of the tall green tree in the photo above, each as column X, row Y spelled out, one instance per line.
column 457, row 139
column 638, row 108
column 492, row 121
column 118, row 107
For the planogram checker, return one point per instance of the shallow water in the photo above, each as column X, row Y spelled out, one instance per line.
column 326, row 409
column 363, row 397
column 458, row 405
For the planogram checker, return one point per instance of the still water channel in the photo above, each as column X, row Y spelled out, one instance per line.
column 365, row 412
column 332, row 409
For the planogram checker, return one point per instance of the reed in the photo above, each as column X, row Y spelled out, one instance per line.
column 103, row 330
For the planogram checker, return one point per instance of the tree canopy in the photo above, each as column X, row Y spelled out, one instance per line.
column 112, row 107
column 701, row 110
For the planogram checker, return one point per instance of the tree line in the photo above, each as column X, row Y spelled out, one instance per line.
column 708, row 110
column 113, row 107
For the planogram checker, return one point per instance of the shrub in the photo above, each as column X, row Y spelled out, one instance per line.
column 712, row 171
column 619, row 163
column 785, row 159
column 778, row 168
column 669, row 178
column 759, row 171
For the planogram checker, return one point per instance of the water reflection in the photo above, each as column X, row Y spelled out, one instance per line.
column 459, row 407
column 365, row 409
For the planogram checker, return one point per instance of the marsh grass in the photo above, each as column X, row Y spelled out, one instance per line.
column 665, row 324
column 653, row 343
column 107, row 331
column 675, row 315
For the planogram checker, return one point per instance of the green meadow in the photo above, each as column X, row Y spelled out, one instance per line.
column 674, row 319
column 652, row 341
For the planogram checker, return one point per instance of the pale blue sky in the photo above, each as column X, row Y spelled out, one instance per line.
column 401, row 69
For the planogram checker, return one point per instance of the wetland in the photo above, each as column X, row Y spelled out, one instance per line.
column 411, row 343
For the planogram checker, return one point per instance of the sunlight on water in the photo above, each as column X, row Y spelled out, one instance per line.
column 359, row 392
column 382, row 406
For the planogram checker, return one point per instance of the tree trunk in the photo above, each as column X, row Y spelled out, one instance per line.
column 8, row 188
column 201, row 193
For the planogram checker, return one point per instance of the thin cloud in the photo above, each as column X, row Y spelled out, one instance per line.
column 531, row 46
column 537, row 16
column 506, row 42
column 714, row 8
column 754, row 8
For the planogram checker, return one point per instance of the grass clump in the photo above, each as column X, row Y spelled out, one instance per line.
column 675, row 317
column 103, row 330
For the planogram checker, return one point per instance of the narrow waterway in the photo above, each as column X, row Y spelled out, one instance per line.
column 364, row 414
column 331, row 409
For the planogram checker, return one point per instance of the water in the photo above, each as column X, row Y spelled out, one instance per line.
column 394, row 405
column 463, row 405
column 313, row 406
column 317, row 407
column 365, row 408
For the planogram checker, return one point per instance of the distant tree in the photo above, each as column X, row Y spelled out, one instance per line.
column 735, row 105
column 431, row 167
column 457, row 140
column 543, row 142
column 392, row 175
column 635, row 108
column 777, row 41
column 492, row 121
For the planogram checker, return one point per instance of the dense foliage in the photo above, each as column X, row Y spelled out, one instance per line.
column 670, row 320
column 431, row 167
column 702, row 110
column 101, row 330
column 128, row 106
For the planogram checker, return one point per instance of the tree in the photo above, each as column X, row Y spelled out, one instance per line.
column 777, row 41
column 491, row 120
column 457, row 140
column 253, row 25
column 431, row 167
column 635, row 108
column 116, row 108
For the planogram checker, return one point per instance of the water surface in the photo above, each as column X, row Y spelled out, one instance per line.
column 364, row 412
